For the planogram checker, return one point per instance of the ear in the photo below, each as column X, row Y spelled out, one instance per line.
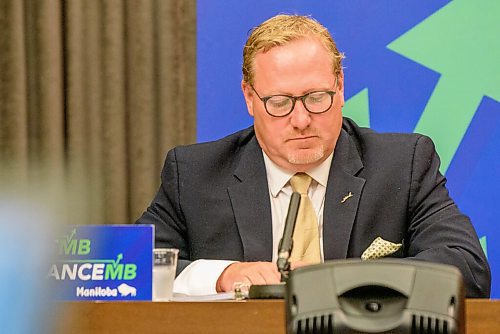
column 248, row 94
column 340, row 87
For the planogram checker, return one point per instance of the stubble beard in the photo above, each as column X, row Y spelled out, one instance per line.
column 305, row 158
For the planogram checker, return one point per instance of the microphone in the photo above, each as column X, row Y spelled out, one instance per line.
column 286, row 242
column 277, row 291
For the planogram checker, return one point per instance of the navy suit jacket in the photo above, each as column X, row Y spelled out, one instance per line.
column 213, row 203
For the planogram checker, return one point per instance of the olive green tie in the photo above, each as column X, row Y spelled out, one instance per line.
column 305, row 237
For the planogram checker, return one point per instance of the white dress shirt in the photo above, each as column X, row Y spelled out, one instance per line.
column 200, row 277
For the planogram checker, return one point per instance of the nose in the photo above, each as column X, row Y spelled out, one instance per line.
column 300, row 118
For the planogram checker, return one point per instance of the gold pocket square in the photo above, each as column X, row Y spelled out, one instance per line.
column 380, row 248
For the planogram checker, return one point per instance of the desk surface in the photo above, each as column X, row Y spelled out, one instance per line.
column 253, row 316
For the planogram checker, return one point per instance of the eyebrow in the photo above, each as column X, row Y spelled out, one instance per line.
column 304, row 93
column 309, row 90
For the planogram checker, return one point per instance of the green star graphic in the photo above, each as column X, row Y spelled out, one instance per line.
column 484, row 245
column 461, row 42
column 357, row 108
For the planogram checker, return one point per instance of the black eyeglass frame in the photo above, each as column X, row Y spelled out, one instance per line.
column 295, row 98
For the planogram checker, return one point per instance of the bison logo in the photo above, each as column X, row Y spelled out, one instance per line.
column 126, row 290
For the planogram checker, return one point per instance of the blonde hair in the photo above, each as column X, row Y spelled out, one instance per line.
column 282, row 29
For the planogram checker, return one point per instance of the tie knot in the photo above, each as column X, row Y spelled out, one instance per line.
column 300, row 183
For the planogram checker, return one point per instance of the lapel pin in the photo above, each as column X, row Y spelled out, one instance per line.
column 346, row 197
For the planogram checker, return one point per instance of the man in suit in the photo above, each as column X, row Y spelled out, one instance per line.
column 223, row 204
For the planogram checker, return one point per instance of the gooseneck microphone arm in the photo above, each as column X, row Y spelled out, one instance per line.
column 286, row 242
column 266, row 291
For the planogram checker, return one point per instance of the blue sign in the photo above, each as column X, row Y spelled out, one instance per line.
column 104, row 262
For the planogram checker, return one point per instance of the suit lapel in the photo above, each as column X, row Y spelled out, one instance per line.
column 251, row 204
column 339, row 210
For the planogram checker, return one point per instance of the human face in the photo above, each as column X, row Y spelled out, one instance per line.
column 301, row 140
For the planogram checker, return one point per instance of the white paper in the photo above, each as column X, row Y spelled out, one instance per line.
column 179, row 297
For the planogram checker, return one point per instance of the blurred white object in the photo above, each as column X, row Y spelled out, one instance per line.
column 26, row 245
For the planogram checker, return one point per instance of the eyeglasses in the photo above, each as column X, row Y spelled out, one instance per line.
column 282, row 105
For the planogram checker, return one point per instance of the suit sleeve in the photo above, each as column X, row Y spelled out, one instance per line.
column 438, row 231
column 165, row 213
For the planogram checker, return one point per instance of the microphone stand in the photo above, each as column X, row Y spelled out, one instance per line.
column 277, row 291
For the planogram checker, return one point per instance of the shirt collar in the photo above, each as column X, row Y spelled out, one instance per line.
column 278, row 177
